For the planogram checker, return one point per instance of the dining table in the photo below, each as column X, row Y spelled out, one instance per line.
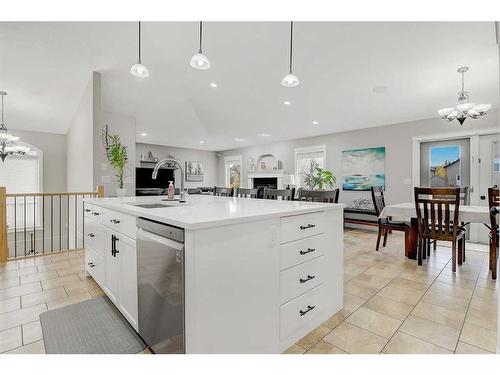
column 407, row 211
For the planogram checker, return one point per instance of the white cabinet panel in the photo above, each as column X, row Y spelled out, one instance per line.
column 120, row 222
column 301, row 251
column 302, row 278
column 301, row 226
column 112, row 284
column 127, row 256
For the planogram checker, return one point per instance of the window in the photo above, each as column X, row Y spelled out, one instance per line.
column 233, row 167
column 305, row 159
column 22, row 174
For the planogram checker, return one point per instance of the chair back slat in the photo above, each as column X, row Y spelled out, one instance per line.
column 378, row 199
column 223, row 191
column 246, row 193
column 285, row 194
column 322, row 196
column 493, row 201
column 430, row 200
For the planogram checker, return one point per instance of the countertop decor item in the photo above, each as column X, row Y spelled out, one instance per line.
column 8, row 142
column 118, row 158
column 464, row 109
column 363, row 168
column 199, row 60
column 139, row 70
column 317, row 177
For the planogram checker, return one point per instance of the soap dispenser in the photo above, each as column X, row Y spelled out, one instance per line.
column 170, row 190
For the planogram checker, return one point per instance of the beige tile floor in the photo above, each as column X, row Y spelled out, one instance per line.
column 390, row 304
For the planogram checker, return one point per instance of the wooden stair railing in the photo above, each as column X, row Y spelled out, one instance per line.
column 39, row 201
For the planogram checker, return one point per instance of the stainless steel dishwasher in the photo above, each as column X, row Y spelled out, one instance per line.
column 160, row 276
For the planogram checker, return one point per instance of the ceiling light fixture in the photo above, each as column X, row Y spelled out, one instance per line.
column 265, row 135
column 290, row 80
column 202, row 142
column 239, row 139
column 315, row 122
column 214, row 85
column 8, row 142
column 199, row 60
column 143, row 134
column 286, row 102
column 464, row 109
column 139, row 69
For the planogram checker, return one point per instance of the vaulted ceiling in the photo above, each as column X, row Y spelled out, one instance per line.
column 352, row 75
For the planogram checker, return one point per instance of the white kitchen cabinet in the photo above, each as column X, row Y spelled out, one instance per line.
column 112, row 284
column 127, row 257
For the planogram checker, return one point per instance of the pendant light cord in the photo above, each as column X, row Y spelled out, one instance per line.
column 201, row 33
column 463, row 73
column 140, row 62
column 291, row 45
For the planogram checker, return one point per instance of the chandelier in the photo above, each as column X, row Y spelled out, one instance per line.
column 8, row 142
column 464, row 109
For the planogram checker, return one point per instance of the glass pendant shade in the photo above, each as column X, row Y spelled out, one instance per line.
column 290, row 80
column 139, row 70
column 465, row 107
column 200, row 61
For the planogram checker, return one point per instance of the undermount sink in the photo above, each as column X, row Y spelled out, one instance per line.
column 173, row 203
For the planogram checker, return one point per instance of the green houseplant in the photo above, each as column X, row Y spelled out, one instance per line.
column 318, row 178
column 117, row 156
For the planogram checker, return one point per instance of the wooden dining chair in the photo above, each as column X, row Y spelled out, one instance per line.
column 246, row 193
column 494, row 203
column 222, row 191
column 464, row 201
column 435, row 223
column 285, row 194
column 322, row 196
column 386, row 225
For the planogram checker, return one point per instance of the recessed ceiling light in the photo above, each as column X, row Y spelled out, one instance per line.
column 265, row 135
column 144, row 134
column 213, row 84
column 286, row 102
column 201, row 142
column 239, row 139
column 380, row 89
column 315, row 122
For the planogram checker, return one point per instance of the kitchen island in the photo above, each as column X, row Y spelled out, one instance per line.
column 257, row 275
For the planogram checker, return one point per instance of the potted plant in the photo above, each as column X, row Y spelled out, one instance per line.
column 117, row 156
column 317, row 177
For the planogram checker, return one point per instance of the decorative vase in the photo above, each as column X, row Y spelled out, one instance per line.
column 121, row 192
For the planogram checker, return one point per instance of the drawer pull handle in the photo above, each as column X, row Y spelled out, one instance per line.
column 308, row 226
column 309, row 277
column 114, row 221
column 309, row 308
column 91, row 235
column 309, row 250
column 91, row 265
column 88, row 210
column 95, row 213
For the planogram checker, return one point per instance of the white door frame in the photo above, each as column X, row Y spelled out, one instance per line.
column 235, row 158
column 472, row 135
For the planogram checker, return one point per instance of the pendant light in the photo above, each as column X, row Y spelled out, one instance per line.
column 199, row 60
column 139, row 69
column 8, row 142
column 290, row 80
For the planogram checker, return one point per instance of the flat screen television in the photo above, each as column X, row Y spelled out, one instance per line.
column 144, row 179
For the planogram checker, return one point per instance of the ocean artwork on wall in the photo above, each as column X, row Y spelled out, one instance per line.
column 363, row 168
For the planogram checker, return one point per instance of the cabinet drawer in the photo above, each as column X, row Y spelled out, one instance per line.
column 301, row 251
column 297, row 280
column 94, row 265
column 94, row 236
column 301, row 226
column 299, row 311
column 92, row 212
column 120, row 222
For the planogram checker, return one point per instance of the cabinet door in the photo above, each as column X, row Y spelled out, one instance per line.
column 127, row 301
column 112, row 284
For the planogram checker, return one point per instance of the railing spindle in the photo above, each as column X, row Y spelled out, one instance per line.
column 51, row 223
column 60, row 233
column 24, row 222
column 43, row 225
column 15, row 227
column 34, row 226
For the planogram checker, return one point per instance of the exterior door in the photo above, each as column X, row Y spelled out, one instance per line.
column 489, row 176
column 445, row 163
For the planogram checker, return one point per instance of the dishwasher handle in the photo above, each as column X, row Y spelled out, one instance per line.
column 148, row 236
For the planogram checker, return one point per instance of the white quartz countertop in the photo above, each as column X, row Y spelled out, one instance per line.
column 204, row 211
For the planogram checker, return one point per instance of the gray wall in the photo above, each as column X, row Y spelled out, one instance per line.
column 80, row 148
column 208, row 158
column 53, row 147
column 396, row 139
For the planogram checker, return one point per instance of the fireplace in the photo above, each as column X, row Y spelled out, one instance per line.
column 265, row 182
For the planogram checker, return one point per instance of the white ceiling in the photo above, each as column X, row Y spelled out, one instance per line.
column 45, row 66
